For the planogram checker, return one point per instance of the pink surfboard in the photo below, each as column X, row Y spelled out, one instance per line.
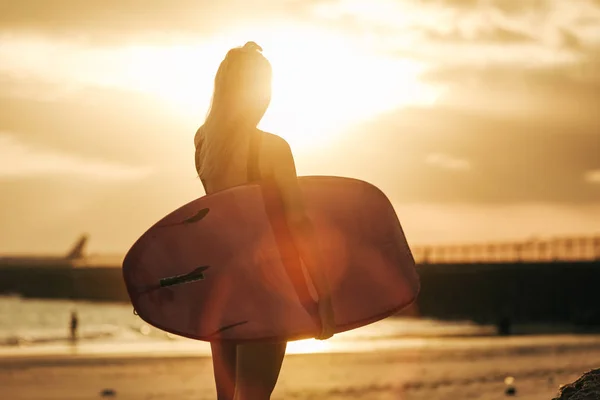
column 224, row 267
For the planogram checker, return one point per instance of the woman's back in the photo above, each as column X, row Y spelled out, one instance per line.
column 226, row 172
column 252, row 160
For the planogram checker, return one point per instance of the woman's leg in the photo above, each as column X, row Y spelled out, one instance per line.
column 257, row 370
column 224, row 360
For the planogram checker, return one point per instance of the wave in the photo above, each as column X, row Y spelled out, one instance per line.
column 48, row 336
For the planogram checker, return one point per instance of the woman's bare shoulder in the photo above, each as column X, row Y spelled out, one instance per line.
column 275, row 152
column 273, row 142
column 198, row 137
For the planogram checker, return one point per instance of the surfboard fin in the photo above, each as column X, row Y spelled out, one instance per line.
column 197, row 217
column 195, row 275
column 190, row 220
column 226, row 327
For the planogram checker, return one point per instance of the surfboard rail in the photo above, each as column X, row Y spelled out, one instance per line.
column 223, row 267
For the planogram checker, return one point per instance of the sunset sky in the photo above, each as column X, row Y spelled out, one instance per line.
column 479, row 119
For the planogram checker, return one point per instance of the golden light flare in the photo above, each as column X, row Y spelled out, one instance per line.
column 308, row 346
column 322, row 82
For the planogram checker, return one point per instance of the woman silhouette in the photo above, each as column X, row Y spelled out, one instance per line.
column 225, row 144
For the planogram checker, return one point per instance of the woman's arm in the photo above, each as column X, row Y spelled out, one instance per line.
column 301, row 227
column 302, row 230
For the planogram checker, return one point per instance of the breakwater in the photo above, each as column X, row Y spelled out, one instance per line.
column 533, row 282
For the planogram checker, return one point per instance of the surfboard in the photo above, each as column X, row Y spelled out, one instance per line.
column 224, row 267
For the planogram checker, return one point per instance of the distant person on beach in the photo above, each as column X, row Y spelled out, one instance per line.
column 242, row 94
column 74, row 324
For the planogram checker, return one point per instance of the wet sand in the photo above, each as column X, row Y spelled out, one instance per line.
column 453, row 373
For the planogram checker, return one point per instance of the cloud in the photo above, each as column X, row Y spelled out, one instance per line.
column 570, row 40
column 568, row 92
column 49, row 68
column 430, row 223
column 106, row 123
column 533, row 103
column 512, row 21
column 19, row 160
column 490, row 35
column 116, row 21
column 445, row 161
column 475, row 32
column 513, row 159
column 593, row 176
column 510, row 7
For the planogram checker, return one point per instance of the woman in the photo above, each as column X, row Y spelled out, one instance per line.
column 226, row 145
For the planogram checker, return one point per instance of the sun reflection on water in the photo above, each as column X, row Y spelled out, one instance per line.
column 308, row 346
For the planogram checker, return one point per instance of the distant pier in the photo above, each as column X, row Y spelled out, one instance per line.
column 536, row 281
column 583, row 248
column 551, row 281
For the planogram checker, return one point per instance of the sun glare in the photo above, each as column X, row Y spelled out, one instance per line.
column 307, row 346
column 323, row 81
column 322, row 84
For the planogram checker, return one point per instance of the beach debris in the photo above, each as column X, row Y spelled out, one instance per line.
column 145, row 330
column 587, row 387
column 510, row 389
column 108, row 393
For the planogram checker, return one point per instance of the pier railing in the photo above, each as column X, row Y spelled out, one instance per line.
column 584, row 248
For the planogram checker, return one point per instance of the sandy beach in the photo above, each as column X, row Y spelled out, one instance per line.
column 459, row 369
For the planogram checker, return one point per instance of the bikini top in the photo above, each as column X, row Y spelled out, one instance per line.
column 253, row 158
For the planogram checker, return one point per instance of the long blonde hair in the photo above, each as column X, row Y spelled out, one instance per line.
column 242, row 93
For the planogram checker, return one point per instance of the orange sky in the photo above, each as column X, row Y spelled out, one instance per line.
column 479, row 119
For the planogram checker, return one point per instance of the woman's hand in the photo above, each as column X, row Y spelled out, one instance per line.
column 327, row 320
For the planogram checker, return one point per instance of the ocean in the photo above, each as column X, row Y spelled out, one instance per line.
column 35, row 324
column 38, row 327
